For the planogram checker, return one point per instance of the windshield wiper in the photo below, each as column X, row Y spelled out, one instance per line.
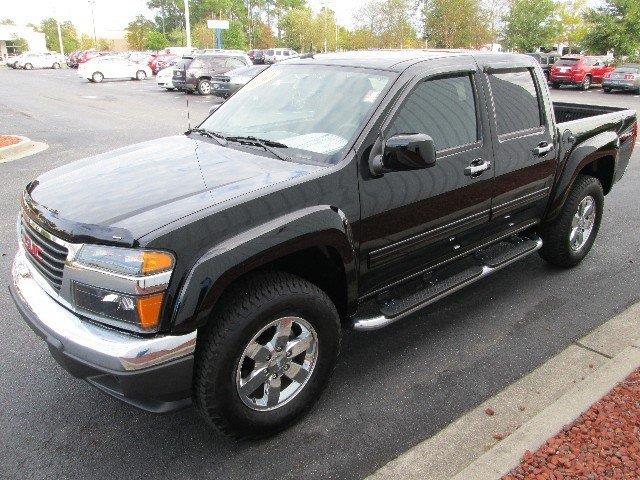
column 269, row 145
column 221, row 139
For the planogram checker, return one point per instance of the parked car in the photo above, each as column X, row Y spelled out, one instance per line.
column 13, row 60
column 227, row 84
column 274, row 55
column 112, row 67
column 546, row 61
column 579, row 70
column 256, row 56
column 72, row 59
column 162, row 61
column 193, row 74
column 625, row 77
column 221, row 265
column 29, row 61
column 164, row 78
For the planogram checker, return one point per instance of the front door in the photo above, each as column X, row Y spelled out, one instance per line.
column 412, row 220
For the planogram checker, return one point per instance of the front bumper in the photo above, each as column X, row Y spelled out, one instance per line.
column 184, row 85
column 151, row 373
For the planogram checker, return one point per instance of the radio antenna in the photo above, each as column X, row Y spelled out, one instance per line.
column 188, row 116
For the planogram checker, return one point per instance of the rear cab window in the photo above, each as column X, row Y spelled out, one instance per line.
column 516, row 101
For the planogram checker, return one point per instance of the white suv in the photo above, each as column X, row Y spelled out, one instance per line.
column 274, row 55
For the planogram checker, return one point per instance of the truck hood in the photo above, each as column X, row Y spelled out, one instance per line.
column 124, row 194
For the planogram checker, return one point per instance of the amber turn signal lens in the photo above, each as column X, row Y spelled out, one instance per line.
column 153, row 262
column 149, row 310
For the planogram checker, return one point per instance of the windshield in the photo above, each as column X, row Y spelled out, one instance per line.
column 313, row 110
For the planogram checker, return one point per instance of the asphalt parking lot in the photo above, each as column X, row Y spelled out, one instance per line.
column 392, row 388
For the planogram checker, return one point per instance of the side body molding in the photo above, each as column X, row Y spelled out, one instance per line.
column 604, row 144
column 321, row 226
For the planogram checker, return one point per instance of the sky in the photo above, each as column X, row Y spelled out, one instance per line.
column 113, row 15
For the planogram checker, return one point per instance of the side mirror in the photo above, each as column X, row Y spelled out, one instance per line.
column 402, row 152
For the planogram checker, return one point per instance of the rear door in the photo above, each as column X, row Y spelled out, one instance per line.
column 524, row 149
column 413, row 220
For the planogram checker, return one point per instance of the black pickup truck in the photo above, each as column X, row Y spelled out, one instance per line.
column 347, row 190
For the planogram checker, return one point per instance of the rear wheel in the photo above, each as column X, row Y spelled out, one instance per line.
column 56, row 66
column 569, row 238
column 266, row 356
column 555, row 85
column 141, row 75
column 586, row 83
column 28, row 66
column 97, row 77
column 606, row 89
column 204, row 87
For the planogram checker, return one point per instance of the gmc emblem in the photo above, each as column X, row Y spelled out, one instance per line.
column 32, row 247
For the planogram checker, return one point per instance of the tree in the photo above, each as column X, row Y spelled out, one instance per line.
column 234, row 37
column 389, row 21
column 614, row 26
column 18, row 44
column 531, row 24
column 7, row 21
column 169, row 14
column 49, row 27
column 137, row 32
column 155, row 40
column 456, row 24
column 574, row 27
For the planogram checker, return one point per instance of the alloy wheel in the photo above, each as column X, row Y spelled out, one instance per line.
column 277, row 363
column 582, row 223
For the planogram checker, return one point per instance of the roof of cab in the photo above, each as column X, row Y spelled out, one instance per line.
column 395, row 60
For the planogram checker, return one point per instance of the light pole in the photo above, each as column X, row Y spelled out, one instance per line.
column 93, row 17
column 187, row 24
column 55, row 14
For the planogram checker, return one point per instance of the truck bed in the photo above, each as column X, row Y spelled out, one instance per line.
column 567, row 112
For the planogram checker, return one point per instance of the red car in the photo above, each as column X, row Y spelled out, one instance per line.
column 161, row 61
column 87, row 55
column 578, row 70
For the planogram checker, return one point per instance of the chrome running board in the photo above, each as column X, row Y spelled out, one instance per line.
column 395, row 311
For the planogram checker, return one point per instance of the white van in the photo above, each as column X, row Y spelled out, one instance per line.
column 273, row 55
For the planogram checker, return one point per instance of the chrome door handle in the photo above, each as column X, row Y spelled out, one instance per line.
column 477, row 168
column 542, row 149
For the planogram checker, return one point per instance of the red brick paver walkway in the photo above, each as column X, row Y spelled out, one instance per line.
column 603, row 443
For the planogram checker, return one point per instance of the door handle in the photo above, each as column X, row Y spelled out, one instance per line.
column 477, row 168
column 542, row 149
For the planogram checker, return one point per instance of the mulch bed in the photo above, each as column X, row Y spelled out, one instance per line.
column 603, row 443
column 6, row 140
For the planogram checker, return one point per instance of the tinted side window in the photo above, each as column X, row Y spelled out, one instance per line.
column 443, row 108
column 516, row 101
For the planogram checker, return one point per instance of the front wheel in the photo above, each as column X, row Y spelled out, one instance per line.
column 586, row 83
column 204, row 87
column 56, row 66
column 266, row 356
column 555, row 85
column 97, row 77
column 28, row 66
column 141, row 75
column 568, row 239
column 606, row 89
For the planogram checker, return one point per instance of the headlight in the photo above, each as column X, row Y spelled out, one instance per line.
column 121, row 286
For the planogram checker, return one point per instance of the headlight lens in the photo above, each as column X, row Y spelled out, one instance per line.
column 121, row 286
column 125, row 261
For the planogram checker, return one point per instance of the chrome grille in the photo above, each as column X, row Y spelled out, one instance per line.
column 47, row 256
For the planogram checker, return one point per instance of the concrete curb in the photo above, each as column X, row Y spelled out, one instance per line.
column 498, row 461
column 23, row 148
column 527, row 412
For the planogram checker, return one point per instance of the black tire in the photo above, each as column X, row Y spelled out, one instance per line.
column 248, row 307
column 56, row 66
column 555, row 85
column 28, row 66
column 586, row 83
column 556, row 248
column 606, row 89
column 141, row 75
column 97, row 77
column 204, row 87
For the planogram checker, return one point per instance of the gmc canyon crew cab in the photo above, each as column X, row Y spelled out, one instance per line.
column 341, row 190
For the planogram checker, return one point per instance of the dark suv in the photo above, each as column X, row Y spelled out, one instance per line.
column 195, row 73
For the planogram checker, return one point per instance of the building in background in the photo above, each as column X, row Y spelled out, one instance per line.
column 10, row 33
